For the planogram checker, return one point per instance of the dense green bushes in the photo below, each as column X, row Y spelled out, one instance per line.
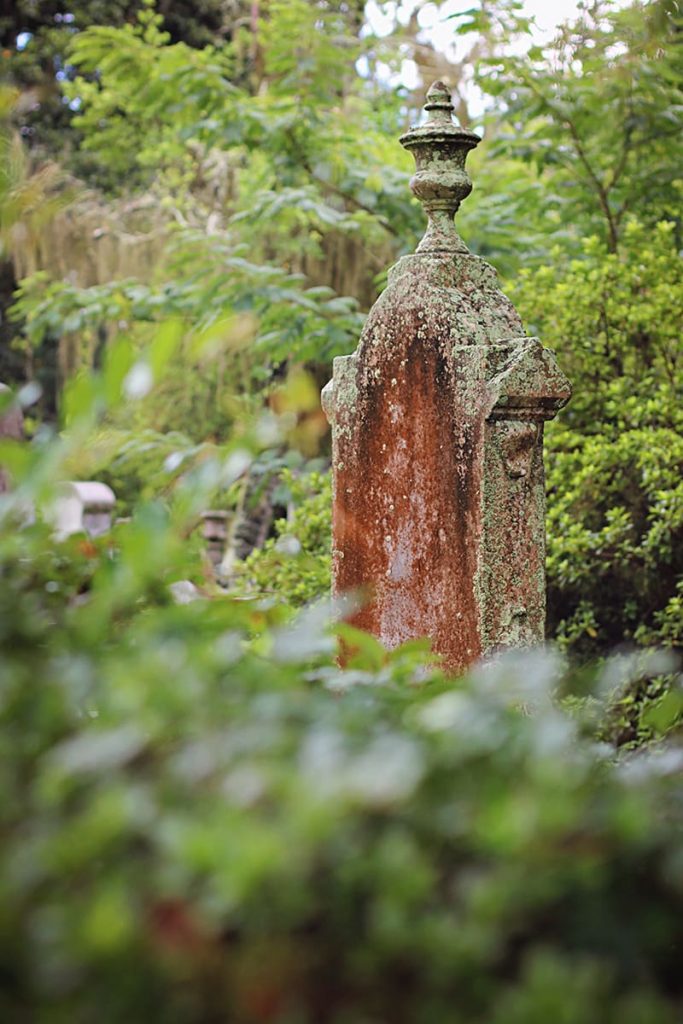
column 615, row 457
column 615, row 522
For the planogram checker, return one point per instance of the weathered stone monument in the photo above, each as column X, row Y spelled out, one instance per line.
column 215, row 534
column 437, row 427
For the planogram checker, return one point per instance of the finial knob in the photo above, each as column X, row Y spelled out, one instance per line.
column 440, row 147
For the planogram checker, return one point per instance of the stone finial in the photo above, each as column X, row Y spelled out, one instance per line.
column 440, row 147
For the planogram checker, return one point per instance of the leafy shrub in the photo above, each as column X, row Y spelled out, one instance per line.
column 615, row 457
column 649, row 708
column 295, row 564
column 615, row 538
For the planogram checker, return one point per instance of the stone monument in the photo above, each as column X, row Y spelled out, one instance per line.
column 215, row 534
column 82, row 506
column 437, row 437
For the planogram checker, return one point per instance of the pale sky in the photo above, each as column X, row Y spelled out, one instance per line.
column 548, row 14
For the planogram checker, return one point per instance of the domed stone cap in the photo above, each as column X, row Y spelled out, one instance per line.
column 440, row 147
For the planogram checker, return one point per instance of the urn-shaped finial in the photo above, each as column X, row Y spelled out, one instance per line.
column 440, row 183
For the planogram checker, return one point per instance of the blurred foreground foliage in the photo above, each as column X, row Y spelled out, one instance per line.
column 205, row 818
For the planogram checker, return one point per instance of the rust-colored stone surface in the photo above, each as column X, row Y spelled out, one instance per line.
column 437, row 420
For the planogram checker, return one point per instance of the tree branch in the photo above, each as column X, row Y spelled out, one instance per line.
column 349, row 199
column 602, row 192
